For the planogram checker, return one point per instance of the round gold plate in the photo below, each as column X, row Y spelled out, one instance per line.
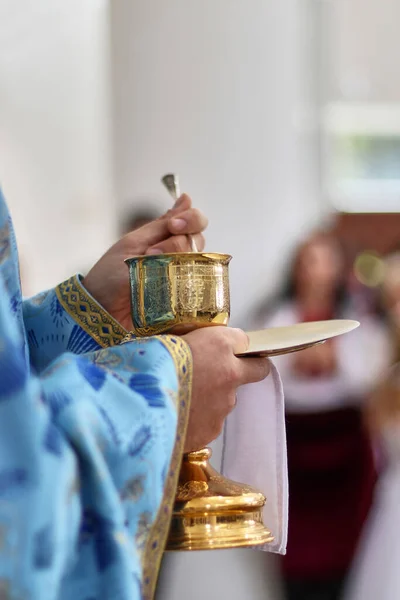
column 293, row 338
column 280, row 351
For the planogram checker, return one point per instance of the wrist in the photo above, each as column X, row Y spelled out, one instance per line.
column 88, row 313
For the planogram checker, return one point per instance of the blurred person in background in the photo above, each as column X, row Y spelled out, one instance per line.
column 330, row 459
column 134, row 218
column 376, row 572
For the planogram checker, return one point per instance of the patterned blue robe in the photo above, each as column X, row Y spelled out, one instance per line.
column 91, row 438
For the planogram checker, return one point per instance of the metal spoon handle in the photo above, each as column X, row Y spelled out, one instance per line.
column 171, row 182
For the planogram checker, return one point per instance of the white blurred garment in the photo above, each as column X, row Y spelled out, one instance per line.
column 240, row 574
column 376, row 572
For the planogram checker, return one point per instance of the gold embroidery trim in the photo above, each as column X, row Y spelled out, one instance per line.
column 157, row 539
column 93, row 319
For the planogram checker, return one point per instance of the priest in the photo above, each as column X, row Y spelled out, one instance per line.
column 92, row 428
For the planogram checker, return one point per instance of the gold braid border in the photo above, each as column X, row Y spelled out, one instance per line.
column 157, row 538
column 78, row 303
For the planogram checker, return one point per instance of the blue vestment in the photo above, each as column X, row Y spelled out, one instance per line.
column 91, row 439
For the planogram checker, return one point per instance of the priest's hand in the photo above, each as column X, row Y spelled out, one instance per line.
column 217, row 373
column 108, row 280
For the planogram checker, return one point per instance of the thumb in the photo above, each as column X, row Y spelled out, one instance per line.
column 156, row 231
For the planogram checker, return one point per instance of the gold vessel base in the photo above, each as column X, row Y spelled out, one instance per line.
column 212, row 512
column 217, row 532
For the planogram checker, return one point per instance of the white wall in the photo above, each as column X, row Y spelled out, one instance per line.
column 363, row 36
column 221, row 93
column 55, row 142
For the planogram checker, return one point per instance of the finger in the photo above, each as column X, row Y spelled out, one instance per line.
column 232, row 401
column 253, row 369
column 189, row 221
column 177, row 243
column 156, row 231
column 238, row 339
column 184, row 202
column 148, row 235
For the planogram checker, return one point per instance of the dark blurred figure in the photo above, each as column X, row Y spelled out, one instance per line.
column 133, row 219
column 137, row 217
column 330, row 459
column 376, row 571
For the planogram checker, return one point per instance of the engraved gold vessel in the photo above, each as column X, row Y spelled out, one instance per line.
column 177, row 293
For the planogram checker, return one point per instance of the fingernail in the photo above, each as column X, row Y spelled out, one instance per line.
column 178, row 224
column 154, row 251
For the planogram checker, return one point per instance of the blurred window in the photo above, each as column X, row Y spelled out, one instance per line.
column 360, row 101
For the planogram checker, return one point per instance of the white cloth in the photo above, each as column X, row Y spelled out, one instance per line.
column 254, row 451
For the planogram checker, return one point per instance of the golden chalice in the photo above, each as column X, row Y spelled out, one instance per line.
column 177, row 293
